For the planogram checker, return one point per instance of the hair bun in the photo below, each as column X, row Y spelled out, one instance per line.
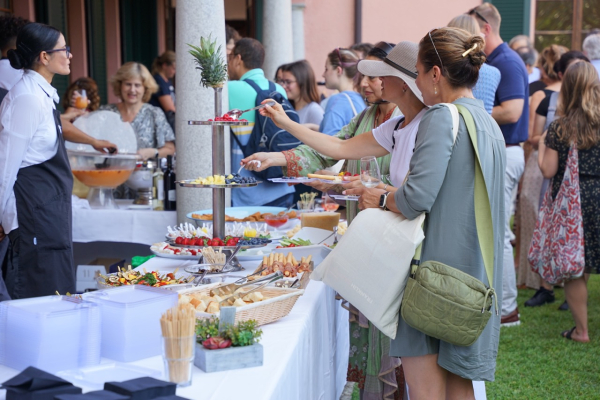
column 476, row 56
column 16, row 59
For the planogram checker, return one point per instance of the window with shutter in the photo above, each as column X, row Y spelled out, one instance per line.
column 139, row 31
column 96, row 44
column 515, row 17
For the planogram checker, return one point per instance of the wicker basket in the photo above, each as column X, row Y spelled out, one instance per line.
column 279, row 304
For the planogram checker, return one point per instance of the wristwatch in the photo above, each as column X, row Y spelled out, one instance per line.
column 382, row 201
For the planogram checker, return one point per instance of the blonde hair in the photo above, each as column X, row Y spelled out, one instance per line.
column 133, row 70
column 491, row 14
column 466, row 22
column 578, row 106
column 168, row 57
column 550, row 56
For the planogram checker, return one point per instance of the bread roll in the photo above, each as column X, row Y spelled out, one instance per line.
column 239, row 303
column 194, row 301
column 213, row 307
column 201, row 307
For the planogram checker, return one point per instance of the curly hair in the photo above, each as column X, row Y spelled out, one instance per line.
column 91, row 89
column 9, row 29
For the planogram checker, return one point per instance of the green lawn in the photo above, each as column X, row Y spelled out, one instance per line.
column 534, row 362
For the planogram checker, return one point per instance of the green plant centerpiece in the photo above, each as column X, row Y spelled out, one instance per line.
column 208, row 60
column 244, row 333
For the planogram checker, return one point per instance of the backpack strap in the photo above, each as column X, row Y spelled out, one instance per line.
column 351, row 104
column 551, row 116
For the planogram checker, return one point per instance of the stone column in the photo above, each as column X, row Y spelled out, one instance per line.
column 298, row 30
column 277, row 35
column 196, row 18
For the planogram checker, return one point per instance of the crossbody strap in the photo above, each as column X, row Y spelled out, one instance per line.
column 351, row 104
column 483, row 212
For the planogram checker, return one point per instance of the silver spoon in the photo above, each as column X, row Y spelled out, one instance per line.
column 236, row 113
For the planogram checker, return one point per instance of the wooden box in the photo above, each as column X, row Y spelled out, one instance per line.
column 229, row 358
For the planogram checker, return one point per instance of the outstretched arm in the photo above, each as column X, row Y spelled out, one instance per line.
column 355, row 148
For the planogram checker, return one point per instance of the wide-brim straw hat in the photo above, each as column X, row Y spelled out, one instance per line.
column 400, row 62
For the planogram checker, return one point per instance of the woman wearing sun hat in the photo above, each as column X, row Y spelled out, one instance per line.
column 396, row 136
column 370, row 364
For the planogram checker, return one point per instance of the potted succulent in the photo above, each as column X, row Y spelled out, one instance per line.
column 222, row 347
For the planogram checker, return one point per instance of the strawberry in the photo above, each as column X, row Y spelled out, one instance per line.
column 231, row 242
column 347, row 173
column 179, row 240
column 186, row 242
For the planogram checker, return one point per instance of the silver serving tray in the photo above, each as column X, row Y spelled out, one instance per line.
column 188, row 183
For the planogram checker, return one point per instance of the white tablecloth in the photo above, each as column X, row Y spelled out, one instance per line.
column 305, row 354
column 122, row 225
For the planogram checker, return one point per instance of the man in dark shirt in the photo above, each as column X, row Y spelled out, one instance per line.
column 511, row 111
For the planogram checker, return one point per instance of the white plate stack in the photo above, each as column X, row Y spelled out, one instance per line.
column 131, row 320
column 51, row 333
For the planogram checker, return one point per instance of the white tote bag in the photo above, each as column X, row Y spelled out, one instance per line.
column 370, row 265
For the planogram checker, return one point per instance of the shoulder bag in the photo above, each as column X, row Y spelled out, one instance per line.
column 444, row 302
column 557, row 250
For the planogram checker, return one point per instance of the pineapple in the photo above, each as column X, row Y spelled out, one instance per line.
column 213, row 68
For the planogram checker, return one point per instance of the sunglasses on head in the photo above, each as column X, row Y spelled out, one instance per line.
column 473, row 11
column 436, row 52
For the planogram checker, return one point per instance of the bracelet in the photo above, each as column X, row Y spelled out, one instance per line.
column 385, row 187
column 156, row 153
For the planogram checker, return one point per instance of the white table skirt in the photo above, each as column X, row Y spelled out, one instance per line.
column 122, row 225
column 305, row 354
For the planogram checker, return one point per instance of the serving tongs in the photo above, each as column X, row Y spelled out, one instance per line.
column 236, row 113
column 229, row 301
column 229, row 289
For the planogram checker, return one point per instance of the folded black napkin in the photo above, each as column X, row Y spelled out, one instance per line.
column 142, row 388
column 173, row 397
column 35, row 384
column 97, row 395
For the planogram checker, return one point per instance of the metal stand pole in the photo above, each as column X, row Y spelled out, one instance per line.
column 218, row 162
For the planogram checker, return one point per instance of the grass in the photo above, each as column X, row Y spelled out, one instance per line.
column 534, row 362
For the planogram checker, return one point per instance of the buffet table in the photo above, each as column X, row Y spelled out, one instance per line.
column 305, row 353
column 123, row 225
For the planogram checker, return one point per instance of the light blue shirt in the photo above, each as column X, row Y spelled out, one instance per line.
column 340, row 109
column 485, row 88
column 243, row 97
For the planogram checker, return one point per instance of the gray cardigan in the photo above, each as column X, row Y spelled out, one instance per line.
column 441, row 183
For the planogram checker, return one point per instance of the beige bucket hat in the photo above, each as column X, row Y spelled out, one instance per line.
column 400, row 62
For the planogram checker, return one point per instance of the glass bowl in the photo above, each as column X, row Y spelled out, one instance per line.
column 102, row 172
column 276, row 220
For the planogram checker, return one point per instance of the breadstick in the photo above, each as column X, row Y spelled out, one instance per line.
column 308, row 259
column 271, row 259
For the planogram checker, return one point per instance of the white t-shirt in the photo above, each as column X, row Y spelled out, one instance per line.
column 400, row 143
column 8, row 75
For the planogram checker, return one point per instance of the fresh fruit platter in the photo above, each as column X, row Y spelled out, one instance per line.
column 227, row 241
column 164, row 249
column 228, row 117
column 220, row 181
column 136, row 277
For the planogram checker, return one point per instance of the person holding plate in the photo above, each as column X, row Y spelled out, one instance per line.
column 380, row 131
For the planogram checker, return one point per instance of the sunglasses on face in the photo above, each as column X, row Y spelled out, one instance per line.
column 477, row 14
column 66, row 49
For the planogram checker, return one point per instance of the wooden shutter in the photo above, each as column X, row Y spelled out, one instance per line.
column 96, row 44
column 515, row 17
column 54, row 13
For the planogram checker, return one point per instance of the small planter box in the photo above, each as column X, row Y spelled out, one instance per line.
column 229, row 358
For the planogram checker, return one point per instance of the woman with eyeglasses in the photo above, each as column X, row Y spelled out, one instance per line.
column 298, row 80
column 36, row 180
column 387, row 129
column 340, row 74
